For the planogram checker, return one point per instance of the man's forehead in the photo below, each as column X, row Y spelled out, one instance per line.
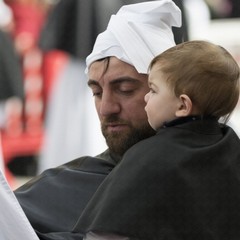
column 109, row 61
column 115, row 75
column 112, row 68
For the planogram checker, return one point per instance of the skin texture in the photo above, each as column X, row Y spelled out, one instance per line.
column 119, row 99
column 162, row 105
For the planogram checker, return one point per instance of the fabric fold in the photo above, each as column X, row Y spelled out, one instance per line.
column 137, row 33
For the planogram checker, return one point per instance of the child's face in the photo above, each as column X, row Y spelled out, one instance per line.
column 162, row 104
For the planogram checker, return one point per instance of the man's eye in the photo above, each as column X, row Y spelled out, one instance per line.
column 97, row 94
column 127, row 91
column 96, row 91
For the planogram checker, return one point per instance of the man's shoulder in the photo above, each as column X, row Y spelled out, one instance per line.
column 74, row 169
column 70, row 185
column 98, row 163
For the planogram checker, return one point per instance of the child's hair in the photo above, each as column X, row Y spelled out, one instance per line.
column 206, row 72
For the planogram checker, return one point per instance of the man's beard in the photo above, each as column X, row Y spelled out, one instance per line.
column 119, row 142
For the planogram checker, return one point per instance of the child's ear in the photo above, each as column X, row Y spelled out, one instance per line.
column 185, row 106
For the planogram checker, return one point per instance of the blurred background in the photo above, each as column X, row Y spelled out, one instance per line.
column 47, row 114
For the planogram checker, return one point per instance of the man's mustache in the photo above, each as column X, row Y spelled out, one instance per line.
column 113, row 120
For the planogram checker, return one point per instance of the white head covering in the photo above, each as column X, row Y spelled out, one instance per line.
column 137, row 33
column 5, row 14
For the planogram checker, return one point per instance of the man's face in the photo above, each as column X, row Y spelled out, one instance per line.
column 119, row 99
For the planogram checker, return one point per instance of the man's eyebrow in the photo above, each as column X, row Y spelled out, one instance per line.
column 115, row 81
column 124, row 79
column 92, row 83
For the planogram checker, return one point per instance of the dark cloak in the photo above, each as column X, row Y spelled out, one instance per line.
column 182, row 184
column 54, row 200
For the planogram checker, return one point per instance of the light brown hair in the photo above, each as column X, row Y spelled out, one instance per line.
column 206, row 72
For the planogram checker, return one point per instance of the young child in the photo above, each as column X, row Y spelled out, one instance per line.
column 183, row 183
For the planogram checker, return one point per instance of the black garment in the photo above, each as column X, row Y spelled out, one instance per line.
column 181, row 34
column 73, row 25
column 54, row 200
column 11, row 77
column 182, row 184
column 235, row 12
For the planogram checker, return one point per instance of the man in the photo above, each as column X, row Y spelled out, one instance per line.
column 117, row 70
column 77, row 126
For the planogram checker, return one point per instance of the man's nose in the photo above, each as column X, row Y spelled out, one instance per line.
column 146, row 97
column 109, row 105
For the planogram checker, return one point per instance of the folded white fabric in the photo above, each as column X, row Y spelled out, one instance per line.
column 137, row 33
column 14, row 224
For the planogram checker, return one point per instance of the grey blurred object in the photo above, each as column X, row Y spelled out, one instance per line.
column 11, row 78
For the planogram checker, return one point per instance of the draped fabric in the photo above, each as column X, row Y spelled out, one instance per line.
column 54, row 200
column 146, row 26
column 182, row 184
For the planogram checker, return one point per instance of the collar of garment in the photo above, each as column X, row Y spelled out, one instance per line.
column 182, row 120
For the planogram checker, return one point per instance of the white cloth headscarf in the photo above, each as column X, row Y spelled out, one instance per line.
column 137, row 33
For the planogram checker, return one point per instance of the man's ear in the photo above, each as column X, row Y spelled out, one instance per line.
column 185, row 106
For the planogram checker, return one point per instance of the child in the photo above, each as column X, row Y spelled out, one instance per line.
column 183, row 183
